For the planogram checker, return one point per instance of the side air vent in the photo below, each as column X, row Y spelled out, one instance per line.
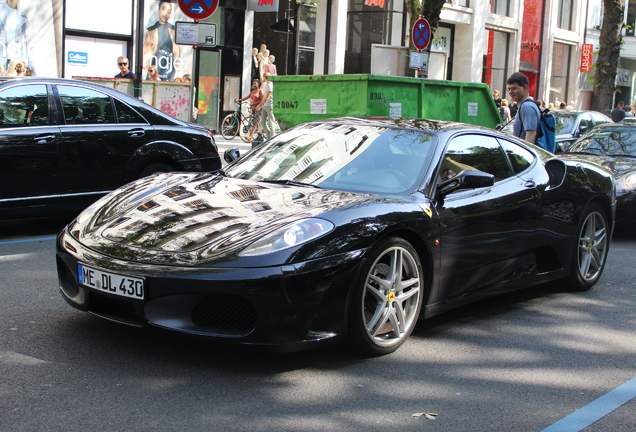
column 556, row 171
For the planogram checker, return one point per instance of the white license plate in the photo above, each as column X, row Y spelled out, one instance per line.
column 111, row 283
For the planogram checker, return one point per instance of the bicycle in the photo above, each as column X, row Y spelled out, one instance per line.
column 231, row 124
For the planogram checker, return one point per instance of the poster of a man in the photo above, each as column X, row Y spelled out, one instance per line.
column 160, row 50
column 14, row 35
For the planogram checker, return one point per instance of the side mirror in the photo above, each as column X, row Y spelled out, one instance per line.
column 467, row 179
column 231, row 155
column 582, row 129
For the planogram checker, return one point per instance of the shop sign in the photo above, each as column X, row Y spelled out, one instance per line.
column 379, row 3
column 623, row 77
column 586, row 57
column 262, row 5
column 77, row 58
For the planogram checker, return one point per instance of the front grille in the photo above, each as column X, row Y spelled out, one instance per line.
column 225, row 313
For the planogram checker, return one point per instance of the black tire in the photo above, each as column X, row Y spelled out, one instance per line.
column 155, row 168
column 384, row 309
column 590, row 250
column 246, row 128
column 229, row 126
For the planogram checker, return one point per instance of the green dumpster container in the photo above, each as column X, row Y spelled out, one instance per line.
column 299, row 99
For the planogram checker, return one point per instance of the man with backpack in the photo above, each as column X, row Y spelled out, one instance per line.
column 528, row 116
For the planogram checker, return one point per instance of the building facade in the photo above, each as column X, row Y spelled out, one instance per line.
column 477, row 41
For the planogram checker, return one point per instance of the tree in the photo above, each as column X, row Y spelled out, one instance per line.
column 609, row 50
column 430, row 9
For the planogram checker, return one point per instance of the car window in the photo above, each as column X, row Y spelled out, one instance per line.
column 600, row 118
column 126, row 114
column 520, row 158
column 479, row 152
column 85, row 106
column 25, row 105
column 565, row 122
column 586, row 120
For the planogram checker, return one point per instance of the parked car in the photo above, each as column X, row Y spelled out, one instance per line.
column 65, row 143
column 342, row 229
column 614, row 147
column 570, row 125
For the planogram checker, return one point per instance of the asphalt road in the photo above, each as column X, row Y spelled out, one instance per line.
column 520, row 362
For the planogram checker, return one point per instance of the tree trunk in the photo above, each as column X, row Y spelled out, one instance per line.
column 609, row 51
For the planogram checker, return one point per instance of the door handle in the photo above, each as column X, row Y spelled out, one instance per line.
column 44, row 139
column 136, row 133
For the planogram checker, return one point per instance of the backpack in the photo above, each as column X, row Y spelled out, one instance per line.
column 546, row 133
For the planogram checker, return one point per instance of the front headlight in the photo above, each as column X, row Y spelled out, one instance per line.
column 296, row 234
column 626, row 183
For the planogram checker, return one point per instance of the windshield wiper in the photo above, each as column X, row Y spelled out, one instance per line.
column 291, row 183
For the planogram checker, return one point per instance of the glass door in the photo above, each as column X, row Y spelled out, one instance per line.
column 208, row 85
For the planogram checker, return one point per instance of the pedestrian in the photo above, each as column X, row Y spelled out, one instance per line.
column 526, row 122
column 124, row 71
column 618, row 113
column 505, row 111
column 265, row 106
column 629, row 111
column 153, row 73
column 513, row 108
column 255, row 96
column 497, row 98
column 562, row 106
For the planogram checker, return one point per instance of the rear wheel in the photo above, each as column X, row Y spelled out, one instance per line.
column 387, row 299
column 590, row 253
column 229, row 126
column 249, row 124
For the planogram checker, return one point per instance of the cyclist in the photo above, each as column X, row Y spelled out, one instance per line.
column 255, row 97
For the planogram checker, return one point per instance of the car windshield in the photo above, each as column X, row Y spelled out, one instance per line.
column 565, row 123
column 607, row 141
column 342, row 157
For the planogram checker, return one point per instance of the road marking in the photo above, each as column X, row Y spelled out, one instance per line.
column 27, row 240
column 595, row 410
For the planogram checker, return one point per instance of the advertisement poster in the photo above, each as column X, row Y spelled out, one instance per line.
column 159, row 48
column 31, row 37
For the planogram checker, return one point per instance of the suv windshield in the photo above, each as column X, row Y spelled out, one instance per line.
column 603, row 141
column 341, row 157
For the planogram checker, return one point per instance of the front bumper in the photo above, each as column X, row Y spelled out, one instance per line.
column 284, row 306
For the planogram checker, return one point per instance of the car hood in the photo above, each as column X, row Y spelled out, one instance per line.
column 182, row 218
column 619, row 165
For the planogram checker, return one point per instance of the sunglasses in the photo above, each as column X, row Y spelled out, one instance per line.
column 122, row 64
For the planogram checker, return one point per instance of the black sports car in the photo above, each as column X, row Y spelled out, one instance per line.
column 613, row 146
column 339, row 229
column 65, row 143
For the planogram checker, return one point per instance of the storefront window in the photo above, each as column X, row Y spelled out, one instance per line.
column 559, row 81
column 496, row 60
column 368, row 25
column 306, row 39
column 631, row 18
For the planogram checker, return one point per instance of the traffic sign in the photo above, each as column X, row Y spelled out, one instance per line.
column 198, row 9
column 421, row 33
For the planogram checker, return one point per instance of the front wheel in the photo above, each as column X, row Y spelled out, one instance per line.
column 590, row 252
column 387, row 299
column 229, row 126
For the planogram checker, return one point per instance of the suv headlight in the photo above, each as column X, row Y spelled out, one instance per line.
column 626, row 183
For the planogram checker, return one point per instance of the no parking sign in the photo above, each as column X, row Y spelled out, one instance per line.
column 421, row 33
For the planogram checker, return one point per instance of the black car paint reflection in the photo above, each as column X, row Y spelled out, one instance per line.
column 65, row 143
column 209, row 245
